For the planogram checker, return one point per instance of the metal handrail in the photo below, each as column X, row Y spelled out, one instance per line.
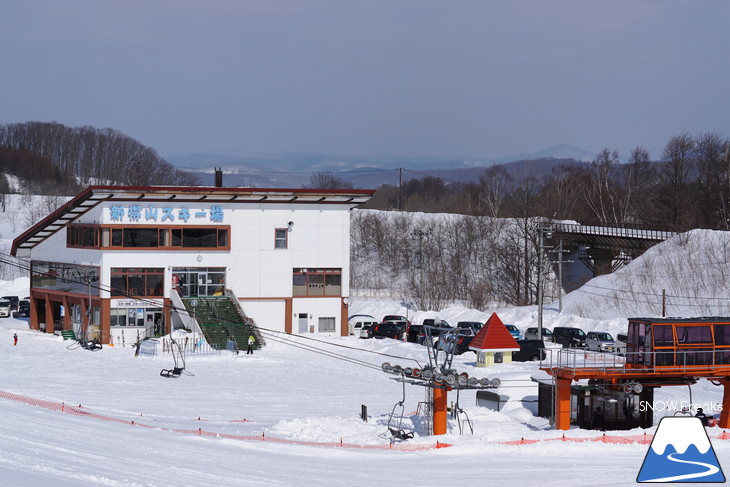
column 612, row 231
column 656, row 361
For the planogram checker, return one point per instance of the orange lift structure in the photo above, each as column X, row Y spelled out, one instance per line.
column 659, row 352
column 438, row 376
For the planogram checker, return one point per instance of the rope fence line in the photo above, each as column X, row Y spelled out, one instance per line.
column 79, row 410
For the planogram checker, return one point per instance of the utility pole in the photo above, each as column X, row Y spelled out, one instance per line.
column 560, row 263
column 541, row 277
column 400, row 188
column 539, row 282
column 419, row 264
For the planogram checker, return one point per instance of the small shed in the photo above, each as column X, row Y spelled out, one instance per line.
column 493, row 344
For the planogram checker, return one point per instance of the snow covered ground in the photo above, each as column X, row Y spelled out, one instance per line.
column 288, row 393
column 280, row 392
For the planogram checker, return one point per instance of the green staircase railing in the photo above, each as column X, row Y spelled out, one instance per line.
column 222, row 323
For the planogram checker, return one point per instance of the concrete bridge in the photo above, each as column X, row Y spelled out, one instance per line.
column 601, row 249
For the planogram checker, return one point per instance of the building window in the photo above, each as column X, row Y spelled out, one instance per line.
column 280, row 238
column 84, row 236
column 316, row 282
column 147, row 237
column 199, row 281
column 327, row 325
column 69, row 278
column 137, row 281
column 118, row 317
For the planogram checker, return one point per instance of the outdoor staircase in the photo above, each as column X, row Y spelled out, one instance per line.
column 223, row 322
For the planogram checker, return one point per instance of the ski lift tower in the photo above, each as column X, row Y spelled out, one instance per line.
column 439, row 377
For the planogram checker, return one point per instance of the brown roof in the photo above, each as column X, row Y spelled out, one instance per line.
column 94, row 195
column 494, row 336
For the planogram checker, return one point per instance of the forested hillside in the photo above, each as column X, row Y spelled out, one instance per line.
column 51, row 158
column 687, row 186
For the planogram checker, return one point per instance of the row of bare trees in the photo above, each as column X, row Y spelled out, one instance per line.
column 438, row 260
column 687, row 186
column 90, row 155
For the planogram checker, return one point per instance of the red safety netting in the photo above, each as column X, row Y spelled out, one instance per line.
column 81, row 411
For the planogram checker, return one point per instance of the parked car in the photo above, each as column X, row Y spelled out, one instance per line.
column 570, row 337
column 474, row 326
column 415, row 333
column 531, row 334
column 436, row 322
column 355, row 326
column 600, row 341
column 4, row 308
column 530, row 350
column 621, row 339
column 389, row 329
column 23, row 309
column 360, row 317
column 395, row 318
column 460, row 342
column 14, row 300
column 514, row 331
column 365, row 331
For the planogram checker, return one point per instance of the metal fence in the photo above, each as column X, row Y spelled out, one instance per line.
column 193, row 345
column 669, row 360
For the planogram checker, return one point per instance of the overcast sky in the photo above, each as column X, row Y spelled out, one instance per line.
column 371, row 77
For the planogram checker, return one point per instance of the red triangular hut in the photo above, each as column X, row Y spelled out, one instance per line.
column 493, row 344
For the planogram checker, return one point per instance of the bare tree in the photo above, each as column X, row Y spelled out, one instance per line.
column 494, row 184
column 708, row 159
column 639, row 179
column 604, row 194
column 674, row 197
column 327, row 180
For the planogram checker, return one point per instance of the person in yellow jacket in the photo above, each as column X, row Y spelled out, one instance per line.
column 251, row 342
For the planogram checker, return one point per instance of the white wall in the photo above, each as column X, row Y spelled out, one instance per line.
column 319, row 237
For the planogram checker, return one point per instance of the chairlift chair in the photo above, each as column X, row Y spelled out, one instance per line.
column 397, row 431
column 178, row 368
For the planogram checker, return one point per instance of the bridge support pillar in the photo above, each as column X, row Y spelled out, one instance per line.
column 562, row 403
column 602, row 260
column 725, row 413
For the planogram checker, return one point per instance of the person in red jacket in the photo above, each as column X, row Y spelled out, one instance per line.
column 15, row 339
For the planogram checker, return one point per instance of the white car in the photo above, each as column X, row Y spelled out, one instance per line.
column 5, row 308
column 600, row 341
column 365, row 330
column 531, row 334
column 356, row 327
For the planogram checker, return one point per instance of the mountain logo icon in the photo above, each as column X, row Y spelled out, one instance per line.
column 680, row 452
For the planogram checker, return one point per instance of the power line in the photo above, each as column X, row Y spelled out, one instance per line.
column 269, row 333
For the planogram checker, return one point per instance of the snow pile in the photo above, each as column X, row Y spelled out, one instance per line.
column 690, row 271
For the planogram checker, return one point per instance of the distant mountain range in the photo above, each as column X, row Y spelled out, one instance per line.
column 295, row 170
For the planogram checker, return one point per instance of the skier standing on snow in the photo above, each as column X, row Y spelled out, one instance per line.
column 15, row 339
column 251, row 341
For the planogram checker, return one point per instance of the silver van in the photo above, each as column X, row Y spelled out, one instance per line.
column 5, row 308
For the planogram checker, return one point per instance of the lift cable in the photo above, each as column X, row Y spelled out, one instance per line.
column 23, row 266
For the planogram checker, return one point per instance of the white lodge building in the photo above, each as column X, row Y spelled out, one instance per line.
column 113, row 261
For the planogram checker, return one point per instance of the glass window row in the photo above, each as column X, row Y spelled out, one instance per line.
column 91, row 236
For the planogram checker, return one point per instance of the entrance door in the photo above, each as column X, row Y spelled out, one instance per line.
column 159, row 325
column 303, row 323
column 193, row 285
column 76, row 319
column 150, row 329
